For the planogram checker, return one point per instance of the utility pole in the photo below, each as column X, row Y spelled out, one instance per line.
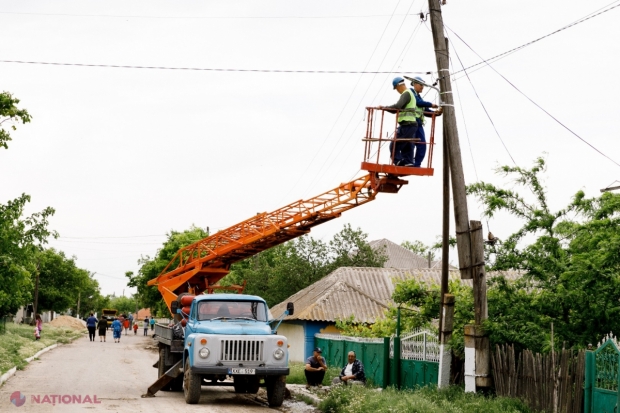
column 470, row 245
column 461, row 217
column 36, row 292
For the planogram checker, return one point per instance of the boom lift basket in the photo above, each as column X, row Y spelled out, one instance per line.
column 375, row 161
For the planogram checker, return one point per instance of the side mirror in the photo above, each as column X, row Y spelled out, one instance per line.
column 174, row 306
column 290, row 308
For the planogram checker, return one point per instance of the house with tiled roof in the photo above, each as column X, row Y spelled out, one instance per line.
column 362, row 292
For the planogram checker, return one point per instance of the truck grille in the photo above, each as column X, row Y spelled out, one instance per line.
column 242, row 350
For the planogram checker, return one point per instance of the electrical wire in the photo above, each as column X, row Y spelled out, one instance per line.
column 537, row 105
column 506, row 53
column 367, row 89
column 344, row 106
column 129, row 236
column 483, row 107
column 204, row 69
column 196, row 17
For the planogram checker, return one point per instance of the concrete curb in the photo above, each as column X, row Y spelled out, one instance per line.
column 12, row 371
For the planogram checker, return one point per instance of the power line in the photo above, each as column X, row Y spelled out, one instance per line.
column 483, row 107
column 536, row 104
column 128, row 236
column 501, row 55
column 205, row 69
column 347, row 102
column 367, row 89
column 198, row 17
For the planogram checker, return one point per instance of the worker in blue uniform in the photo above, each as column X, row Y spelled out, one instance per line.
column 423, row 109
column 402, row 152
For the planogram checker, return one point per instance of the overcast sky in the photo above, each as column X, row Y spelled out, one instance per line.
column 126, row 155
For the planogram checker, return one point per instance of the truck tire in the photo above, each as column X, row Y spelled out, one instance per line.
column 191, row 386
column 276, row 387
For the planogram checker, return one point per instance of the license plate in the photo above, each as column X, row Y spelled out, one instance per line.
column 241, row 371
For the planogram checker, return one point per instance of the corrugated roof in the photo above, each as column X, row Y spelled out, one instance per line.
column 359, row 291
column 400, row 257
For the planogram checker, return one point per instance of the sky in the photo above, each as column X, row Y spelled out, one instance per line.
column 125, row 155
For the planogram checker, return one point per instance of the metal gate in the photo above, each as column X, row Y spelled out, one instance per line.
column 602, row 377
column 418, row 364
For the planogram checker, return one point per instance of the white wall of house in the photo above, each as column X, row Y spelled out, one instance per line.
column 294, row 333
column 23, row 313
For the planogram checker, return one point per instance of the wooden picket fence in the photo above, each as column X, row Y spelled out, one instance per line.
column 545, row 382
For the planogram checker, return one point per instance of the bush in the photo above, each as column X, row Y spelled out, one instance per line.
column 360, row 399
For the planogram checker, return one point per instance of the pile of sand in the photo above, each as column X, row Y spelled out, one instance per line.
column 67, row 321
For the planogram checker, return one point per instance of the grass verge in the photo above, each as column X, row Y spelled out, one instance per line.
column 18, row 343
column 297, row 375
column 360, row 399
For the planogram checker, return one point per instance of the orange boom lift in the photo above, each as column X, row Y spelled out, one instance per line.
column 197, row 268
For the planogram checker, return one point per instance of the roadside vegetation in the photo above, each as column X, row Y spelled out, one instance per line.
column 360, row 399
column 18, row 343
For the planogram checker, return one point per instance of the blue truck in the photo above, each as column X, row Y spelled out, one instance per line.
column 222, row 340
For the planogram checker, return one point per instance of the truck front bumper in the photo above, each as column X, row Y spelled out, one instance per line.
column 260, row 371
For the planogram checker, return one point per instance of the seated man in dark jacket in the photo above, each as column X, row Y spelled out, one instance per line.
column 352, row 373
column 315, row 368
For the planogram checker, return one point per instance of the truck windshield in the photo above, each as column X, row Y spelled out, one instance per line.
column 244, row 310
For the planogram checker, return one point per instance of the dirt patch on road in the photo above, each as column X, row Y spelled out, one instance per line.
column 70, row 322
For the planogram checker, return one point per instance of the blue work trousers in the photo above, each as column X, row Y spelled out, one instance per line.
column 420, row 148
column 404, row 150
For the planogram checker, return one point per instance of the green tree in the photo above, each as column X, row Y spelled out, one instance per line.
column 20, row 239
column 280, row 272
column 62, row 283
column 570, row 259
column 10, row 114
column 151, row 267
column 124, row 305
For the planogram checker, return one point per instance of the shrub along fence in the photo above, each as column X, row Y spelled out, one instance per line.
column 415, row 365
column 545, row 382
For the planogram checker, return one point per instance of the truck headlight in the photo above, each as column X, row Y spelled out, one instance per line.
column 278, row 354
column 204, row 352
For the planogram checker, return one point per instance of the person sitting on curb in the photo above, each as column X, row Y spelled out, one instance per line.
column 315, row 368
column 352, row 373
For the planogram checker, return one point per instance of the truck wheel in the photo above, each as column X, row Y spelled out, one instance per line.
column 191, row 386
column 276, row 387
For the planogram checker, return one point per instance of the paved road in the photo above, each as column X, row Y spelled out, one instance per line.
column 116, row 374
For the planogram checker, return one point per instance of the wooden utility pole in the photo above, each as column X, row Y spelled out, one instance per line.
column 470, row 245
column 461, row 217
column 36, row 293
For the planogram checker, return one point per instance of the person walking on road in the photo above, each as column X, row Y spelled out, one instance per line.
column 102, row 326
column 126, row 325
column 117, row 329
column 130, row 317
column 91, row 325
column 146, row 326
column 402, row 152
column 152, row 322
column 135, row 328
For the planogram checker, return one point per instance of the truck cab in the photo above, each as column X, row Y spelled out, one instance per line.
column 228, row 336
